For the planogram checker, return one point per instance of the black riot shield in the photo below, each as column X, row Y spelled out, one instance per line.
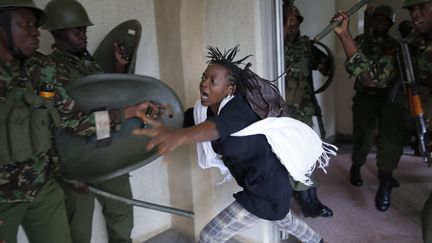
column 86, row 158
column 127, row 35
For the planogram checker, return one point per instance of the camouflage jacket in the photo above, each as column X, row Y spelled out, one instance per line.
column 301, row 58
column 74, row 66
column 421, row 52
column 21, row 181
column 70, row 68
column 375, row 66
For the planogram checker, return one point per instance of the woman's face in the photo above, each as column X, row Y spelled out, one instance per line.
column 215, row 86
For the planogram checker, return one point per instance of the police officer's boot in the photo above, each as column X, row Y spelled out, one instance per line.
column 311, row 205
column 382, row 198
column 355, row 176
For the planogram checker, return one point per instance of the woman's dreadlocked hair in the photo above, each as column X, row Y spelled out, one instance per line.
column 263, row 96
column 226, row 59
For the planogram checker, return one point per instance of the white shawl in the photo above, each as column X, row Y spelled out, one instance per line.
column 296, row 145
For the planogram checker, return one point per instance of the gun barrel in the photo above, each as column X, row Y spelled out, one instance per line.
column 332, row 25
column 407, row 63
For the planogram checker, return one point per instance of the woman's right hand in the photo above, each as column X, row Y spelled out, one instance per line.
column 164, row 139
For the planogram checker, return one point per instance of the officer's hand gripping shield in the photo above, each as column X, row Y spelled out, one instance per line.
column 83, row 158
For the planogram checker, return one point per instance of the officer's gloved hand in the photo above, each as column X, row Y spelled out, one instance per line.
column 149, row 107
column 121, row 57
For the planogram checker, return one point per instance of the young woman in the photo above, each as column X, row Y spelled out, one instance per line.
column 222, row 111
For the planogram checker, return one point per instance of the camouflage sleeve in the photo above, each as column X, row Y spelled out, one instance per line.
column 73, row 119
column 78, row 122
column 375, row 73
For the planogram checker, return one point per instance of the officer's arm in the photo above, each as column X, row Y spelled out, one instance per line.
column 342, row 31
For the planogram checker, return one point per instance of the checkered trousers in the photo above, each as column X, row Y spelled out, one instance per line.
column 234, row 219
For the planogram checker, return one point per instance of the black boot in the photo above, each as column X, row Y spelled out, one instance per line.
column 382, row 198
column 311, row 205
column 355, row 176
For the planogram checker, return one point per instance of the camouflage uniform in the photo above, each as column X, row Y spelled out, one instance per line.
column 80, row 206
column 301, row 57
column 28, row 193
column 421, row 52
column 375, row 71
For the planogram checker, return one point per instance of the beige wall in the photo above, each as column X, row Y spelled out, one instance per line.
column 223, row 24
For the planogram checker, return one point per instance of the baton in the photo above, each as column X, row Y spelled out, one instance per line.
column 333, row 24
column 135, row 202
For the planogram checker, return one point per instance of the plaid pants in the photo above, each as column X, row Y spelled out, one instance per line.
column 234, row 219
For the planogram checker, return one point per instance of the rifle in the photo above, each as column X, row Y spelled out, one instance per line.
column 318, row 112
column 414, row 102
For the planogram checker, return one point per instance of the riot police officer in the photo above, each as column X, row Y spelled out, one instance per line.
column 29, row 195
column 301, row 57
column 420, row 45
column 68, row 22
column 372, row 60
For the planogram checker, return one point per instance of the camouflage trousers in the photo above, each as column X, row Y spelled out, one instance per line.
column 44, row 219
